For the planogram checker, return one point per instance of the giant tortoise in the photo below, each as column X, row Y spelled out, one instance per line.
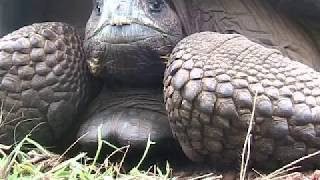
column 249, row 55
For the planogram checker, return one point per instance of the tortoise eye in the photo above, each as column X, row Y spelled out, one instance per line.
column 156, row 5
column 98, row 7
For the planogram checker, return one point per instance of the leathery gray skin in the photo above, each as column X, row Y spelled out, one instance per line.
column 127, row 116
column 125, row 38
column 124, row 43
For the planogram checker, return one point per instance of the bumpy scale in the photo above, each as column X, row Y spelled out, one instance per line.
column 44, row 81
column 209, row 88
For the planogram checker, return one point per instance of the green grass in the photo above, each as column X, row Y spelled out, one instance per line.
column 30, row 160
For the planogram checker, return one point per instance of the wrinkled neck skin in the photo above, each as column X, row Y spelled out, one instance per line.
column 126, row 40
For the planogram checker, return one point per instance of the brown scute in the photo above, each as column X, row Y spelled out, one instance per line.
column 260, row 21
column 210, row 114
column 43, row 81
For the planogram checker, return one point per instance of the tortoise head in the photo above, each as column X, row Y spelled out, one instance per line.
column 125, row 39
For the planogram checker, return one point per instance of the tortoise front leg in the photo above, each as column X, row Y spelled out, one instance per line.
column 210, row 85
column 44, row 82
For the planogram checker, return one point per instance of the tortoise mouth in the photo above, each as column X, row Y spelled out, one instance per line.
column 128, row 51
column 128, row 34
column 127, row 63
